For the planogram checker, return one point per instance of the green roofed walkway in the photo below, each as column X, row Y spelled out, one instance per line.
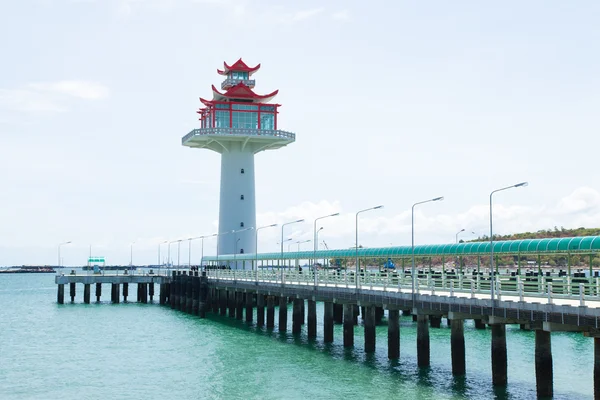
column 570, row 245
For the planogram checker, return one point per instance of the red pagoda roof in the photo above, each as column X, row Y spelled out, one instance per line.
column 241, row 91
column 238, row 66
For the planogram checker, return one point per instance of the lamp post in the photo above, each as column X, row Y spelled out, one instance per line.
column 178, row 252
column 493, row 280
column 282, row 226
column 61, row 244
column 236, row 240
column 316, row 247
column 256, row 246
column 356, row 247
column 202, row 247
column 412, row 270
column 316, row 242
column 458, row 233
column 131, row 254
column 159, row 262
column 169, row 254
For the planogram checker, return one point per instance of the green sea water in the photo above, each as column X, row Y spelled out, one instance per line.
column 145, row 351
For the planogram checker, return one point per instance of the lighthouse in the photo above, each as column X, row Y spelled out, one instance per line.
column 238, row 123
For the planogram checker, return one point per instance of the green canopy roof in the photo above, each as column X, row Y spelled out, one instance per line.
column 583, row 244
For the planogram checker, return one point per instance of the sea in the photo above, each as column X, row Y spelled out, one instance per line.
column 147, row 351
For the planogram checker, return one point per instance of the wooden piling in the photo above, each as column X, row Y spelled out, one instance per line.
column 499, row 360
column 543, row 364
column 151, row 291
column 231, row 303
column 379, row 313
column 195, row 309
column 457, row 347
column 597, row 368
column 435, row 321
column 369, row 322
column 393, row 334
column 348, row 325
column 125, row 291
column 223, row 302
column 327, row 322
column 423, row 354
column 116, row 290
column 203, row 296
column 479, row 324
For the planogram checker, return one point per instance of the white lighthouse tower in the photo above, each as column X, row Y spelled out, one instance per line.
column 238, row 123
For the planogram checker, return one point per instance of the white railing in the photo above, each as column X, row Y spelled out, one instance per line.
column 239, row 132
column 232, row 82
column 586, row 289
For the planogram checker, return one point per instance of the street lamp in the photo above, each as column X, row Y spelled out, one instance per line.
column 316, row 246
column 316, row 242
column 300, row 242
column 61, row 244
column 131, row 254
column 178, row 252
column 256, row 246
column 237, row 240
column 169, row 254
column 458, row 233
column 161, row 243
column 282, row 226
column 356, row 247
column 492, row 281
column 412, row 270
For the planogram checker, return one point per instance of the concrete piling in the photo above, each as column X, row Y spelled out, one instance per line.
column 270, row 312
column 115, row 291
column 499, row 360
column 327, row 322
column 543, row 364
column 369, row 321
column 303, row 309
column 231, row 303
column 86, row 293
column 98, row 291
column 282, row 314
column 379, row 313
column 203, row 296
column 125, row 291
column 435, row 321
column 338, row 313
column 239, row 305
column 189, row 295
column 312, row 319
column 457, row 347
column 479, row 324
column 597, row 368
column 355, row 313
column 249, row 307
column 151, row 291
column 348, row 325
column 72, row 291
column 260, row 309
column 393, row 334
column 60, row 295
column 297, row 316
column 223, row 302
column 195, row 309
column 423, row 354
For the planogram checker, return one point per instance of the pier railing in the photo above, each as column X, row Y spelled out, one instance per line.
column 564, row 290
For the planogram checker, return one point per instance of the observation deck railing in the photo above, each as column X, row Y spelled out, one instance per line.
column 232, row 82
column 275, row 133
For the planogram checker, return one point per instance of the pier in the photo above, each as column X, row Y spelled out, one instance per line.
column 545, row 302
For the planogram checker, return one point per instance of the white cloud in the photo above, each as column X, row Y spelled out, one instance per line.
column 306, row 14
column 378, row 229
column 342, row 15
column 81, row 89
column 50, row 97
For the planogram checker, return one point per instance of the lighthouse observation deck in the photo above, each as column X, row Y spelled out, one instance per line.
column 216, row 139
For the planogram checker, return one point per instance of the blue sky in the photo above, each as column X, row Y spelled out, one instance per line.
column 392, row 102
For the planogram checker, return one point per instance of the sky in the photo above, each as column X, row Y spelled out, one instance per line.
column 392, row 103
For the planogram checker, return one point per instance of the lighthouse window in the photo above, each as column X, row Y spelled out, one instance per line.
column 241, row 251
column 244, row 120
column 222, row 119
column 241, row 224
column 267, row 121
column 242, row 171
column 244, row 107
column 242, row 197
column 238, row 75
